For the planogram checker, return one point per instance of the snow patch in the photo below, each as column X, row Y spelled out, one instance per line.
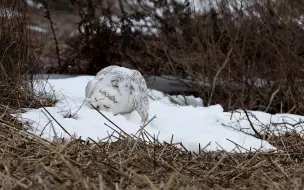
column 37, row 28
column 192, row 124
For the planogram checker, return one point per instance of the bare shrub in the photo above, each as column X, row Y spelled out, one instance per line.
column 245, row 55
column 17, row 63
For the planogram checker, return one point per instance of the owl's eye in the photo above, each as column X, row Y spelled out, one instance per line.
column 106, row 107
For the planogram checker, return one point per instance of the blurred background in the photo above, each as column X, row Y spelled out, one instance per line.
column 236, row 53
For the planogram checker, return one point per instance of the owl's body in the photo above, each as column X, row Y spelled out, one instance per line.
column 119, row 90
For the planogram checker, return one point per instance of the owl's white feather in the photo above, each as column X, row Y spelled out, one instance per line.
column 90, row 88
column 119, row 90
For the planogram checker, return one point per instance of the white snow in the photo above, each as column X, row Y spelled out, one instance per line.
column 33, row 4
column 266, row 123
column 150, row 26
column 145, row 25
column 37, row 28
column 189, row 123
column 30, row 3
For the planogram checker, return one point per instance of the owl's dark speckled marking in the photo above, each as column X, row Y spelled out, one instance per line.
column 110, row 96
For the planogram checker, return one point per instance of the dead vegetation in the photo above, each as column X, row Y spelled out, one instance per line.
column 28, row 162
column 18, row 63
column 18, row 60
column 240, row 54
column 247, row 55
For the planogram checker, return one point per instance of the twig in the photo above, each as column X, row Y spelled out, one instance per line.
column 111, row 121
column 113, row 129
column 216, row 166
column 48, row 16
column 141, row 130
column 251, row 125
column 272, row 97
column 44, row 127
column 58, row 122
column 237, row 145
column 217, row 74
column 143, row 127
column 278, row 167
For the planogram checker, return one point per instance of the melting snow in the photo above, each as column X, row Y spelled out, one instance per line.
column 189, row 123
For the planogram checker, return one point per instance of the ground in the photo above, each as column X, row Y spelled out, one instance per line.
column 65, row 144
column 186, row 144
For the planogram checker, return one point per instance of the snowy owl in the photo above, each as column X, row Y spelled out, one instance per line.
column 119, row 90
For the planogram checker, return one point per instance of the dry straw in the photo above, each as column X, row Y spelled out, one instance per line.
column 29, row 162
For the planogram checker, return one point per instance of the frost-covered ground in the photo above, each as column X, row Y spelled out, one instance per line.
column 189, row 122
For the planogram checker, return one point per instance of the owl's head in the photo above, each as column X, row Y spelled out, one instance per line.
column 107, row 99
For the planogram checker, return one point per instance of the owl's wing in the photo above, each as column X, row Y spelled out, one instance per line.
column 90, row 88
column 141, row 105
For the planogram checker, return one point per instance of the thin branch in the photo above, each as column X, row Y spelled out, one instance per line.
column 217, row 74
column 57, row 122
column 47, row 15
column 251, row 125
column 272, row 97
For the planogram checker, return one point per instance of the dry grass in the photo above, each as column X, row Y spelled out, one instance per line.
column 19, row 58
column 29, row 162
column 17, row 63
column 251, row 58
